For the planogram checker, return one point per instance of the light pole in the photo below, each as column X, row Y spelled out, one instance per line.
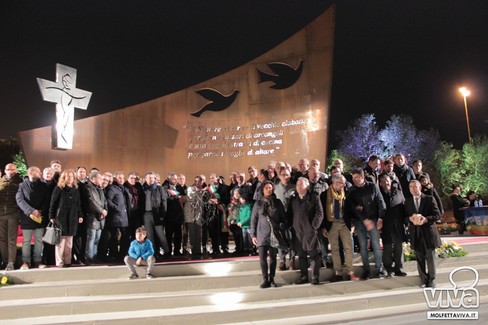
column 465, row 92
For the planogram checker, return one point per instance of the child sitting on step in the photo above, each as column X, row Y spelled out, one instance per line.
column 141, row 253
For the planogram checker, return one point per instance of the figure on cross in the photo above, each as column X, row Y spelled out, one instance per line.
column 67, row 97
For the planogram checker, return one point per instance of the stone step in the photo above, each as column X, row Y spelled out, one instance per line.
column 247, row 307
column 182, row 293
column 173, row 268
column 136, row 295
column 203, row 276
column 162, row 269
column 183, row 267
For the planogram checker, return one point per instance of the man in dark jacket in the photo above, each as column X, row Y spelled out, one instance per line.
column 96, row 210
column 366, row 208
column 404, row 173
column 134, row 188
column 48, row 251
column 394, row 221
column 9, row 218
column 33, row 199
column 303, row 167
column 253, row 178
column 458, row 205
column 174, row 214
column 423, row 213
column 118, row 219
column 79, row 240
column 388, row 169
column 371, row 169
column 215, row 214
column 305, row 215
column 154, row 205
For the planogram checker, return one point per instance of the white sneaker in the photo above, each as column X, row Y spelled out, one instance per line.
column 25, row 266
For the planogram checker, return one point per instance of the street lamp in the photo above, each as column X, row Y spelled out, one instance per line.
column 465, row 92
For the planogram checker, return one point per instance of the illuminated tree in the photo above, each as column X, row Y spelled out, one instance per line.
column 475, row 165
column 363, row 139
column 359, row 141
column 19, row 161
column 401, row 136
column 467, row 167
column 336, row 154
column 446, row 163
column 429, row 142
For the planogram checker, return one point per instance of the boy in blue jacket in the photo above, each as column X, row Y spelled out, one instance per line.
column 141, row 253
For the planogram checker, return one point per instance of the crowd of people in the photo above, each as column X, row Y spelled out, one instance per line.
column 105, row 217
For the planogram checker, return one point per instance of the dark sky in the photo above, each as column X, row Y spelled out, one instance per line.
column 391, row 57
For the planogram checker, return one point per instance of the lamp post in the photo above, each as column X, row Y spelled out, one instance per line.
column 465, row 92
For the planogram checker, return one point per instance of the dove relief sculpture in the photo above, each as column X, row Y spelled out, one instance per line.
column 218, row 101
column 284, row 75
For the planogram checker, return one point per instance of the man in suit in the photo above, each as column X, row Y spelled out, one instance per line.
column 393, row 231
column 214, row 212
column 174, row 215
column 423, row 213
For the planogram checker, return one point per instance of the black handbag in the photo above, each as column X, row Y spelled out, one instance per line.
column 52, row 235
column 277, row 237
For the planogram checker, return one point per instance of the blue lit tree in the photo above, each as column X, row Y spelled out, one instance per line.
column 359, row 141
column 363, row 139
column 401, row 136
column 446, row 165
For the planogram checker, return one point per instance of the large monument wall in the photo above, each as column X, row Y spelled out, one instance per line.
column 260, row 124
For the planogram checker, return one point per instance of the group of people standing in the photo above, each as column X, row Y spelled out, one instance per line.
column 99, row 213
column 318, row 212
column 399, row 204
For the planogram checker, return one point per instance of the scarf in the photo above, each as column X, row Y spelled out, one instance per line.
column 134, row 195
column 331, row 196
column 173, row 192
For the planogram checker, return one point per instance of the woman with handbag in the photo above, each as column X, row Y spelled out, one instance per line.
column 65, row 210
column 267, row 213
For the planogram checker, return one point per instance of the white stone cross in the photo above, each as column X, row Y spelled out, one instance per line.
column 67, row 97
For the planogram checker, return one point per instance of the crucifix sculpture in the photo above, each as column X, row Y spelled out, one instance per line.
column 67, row 97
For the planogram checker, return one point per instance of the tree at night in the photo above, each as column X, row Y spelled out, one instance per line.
column 363, row 139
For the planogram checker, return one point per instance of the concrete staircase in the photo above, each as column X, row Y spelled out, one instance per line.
column 216, row 292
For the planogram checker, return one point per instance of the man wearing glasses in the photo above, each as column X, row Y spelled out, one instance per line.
column 336, row 228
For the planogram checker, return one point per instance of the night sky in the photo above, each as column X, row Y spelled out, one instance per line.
column 390, row 57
